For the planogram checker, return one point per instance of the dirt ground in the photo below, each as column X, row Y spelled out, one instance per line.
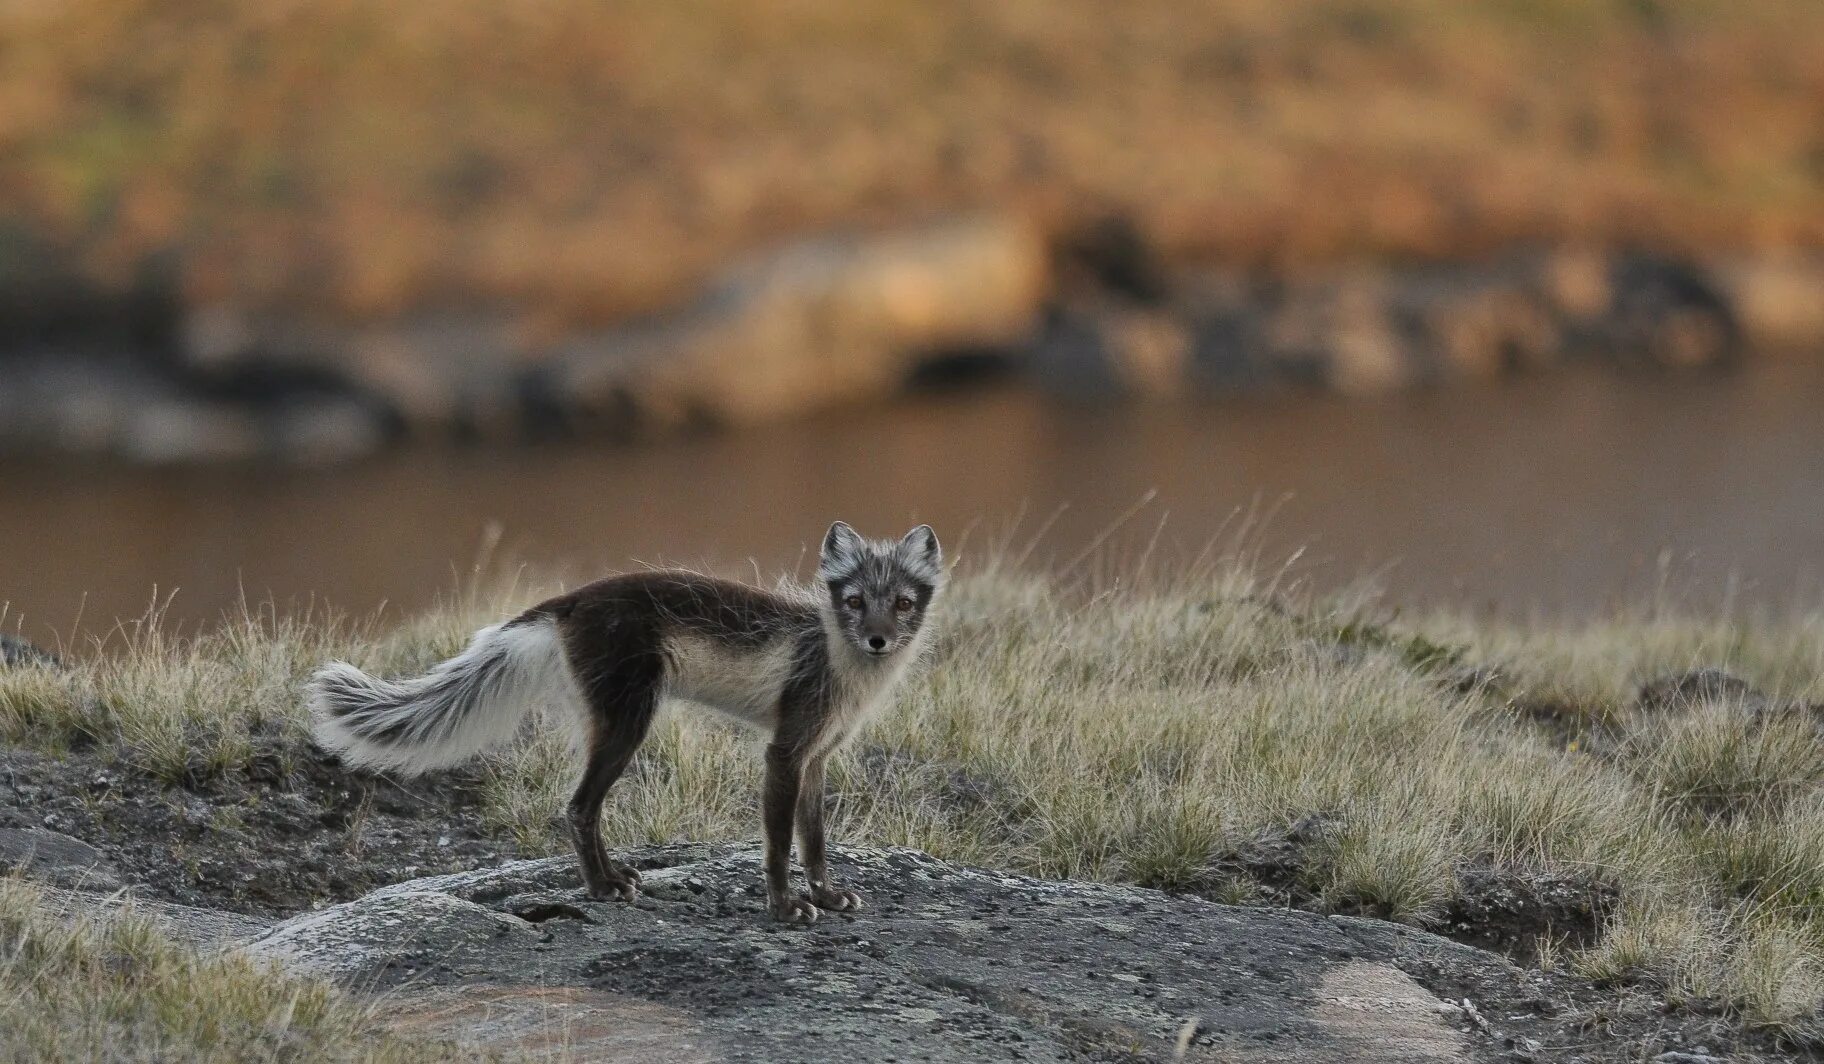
column 293, row 833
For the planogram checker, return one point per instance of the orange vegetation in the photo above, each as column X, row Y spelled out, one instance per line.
column 583, row 160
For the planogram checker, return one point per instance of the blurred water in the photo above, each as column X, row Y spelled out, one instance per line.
column 1566, row 492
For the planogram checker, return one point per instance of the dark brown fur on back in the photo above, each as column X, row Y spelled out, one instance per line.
column 637, row 604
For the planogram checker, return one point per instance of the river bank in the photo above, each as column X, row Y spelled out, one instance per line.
column 863, row 321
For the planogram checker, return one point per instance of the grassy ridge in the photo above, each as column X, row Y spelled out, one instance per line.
column 1139, row 730
column 585, row 160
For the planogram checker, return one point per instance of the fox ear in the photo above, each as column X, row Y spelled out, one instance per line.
column 920, row 552
column 842, row 547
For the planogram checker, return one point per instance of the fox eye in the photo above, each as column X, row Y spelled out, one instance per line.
column 853, row 602
column 902, row 603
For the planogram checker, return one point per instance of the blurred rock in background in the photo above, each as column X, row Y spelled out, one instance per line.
column 859, row 319
column 309, row 231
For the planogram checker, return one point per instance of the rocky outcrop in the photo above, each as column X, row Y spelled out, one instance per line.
column 818, row 325
column 840, row 320
column 812, row 325
column 1684, row 690
column 946, row 963
column 1377, row 329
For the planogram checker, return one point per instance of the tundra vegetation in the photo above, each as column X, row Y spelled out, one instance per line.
column 1168, row 731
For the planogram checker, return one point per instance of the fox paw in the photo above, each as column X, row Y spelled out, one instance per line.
column 841, row 901
column 622, row 883
column 793, row 910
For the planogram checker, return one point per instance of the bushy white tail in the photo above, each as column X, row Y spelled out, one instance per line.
column 461, row 707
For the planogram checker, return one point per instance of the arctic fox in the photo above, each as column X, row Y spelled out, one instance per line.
column 805, row 665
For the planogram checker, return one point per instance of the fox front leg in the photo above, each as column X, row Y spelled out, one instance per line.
column 779, row 803
column 810, row 843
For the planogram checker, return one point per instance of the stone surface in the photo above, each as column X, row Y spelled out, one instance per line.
column 1669, row 313
column 945, row 964
column 55, row 858
column 17, row 651
column 363, row 939
column 555, row 1023
column 205, row 928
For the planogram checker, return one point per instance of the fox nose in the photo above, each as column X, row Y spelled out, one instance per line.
column 876, row 642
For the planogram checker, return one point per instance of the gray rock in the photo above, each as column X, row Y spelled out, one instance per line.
column 55, row 858
column 327, row 432
column 362, row 939
column 945, row 964
column 1347, row 326
column 1686, row 689
column 834, row 320
column 1575, row 282
column 1669, row 312
column 1105, row 350
column 205, row 928
column 17, row 651
column 1482, row 326
column 1697, row 689
column 184, row 430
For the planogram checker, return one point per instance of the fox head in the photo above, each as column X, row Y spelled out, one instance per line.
column 880, row 590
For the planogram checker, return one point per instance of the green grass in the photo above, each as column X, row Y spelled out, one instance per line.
column 115, row 988
column 1139, row 729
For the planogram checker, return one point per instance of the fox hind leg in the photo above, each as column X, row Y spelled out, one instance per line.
column 621, row 708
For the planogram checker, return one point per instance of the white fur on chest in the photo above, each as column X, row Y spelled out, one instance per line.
column 744, row 685
column 862, row 689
